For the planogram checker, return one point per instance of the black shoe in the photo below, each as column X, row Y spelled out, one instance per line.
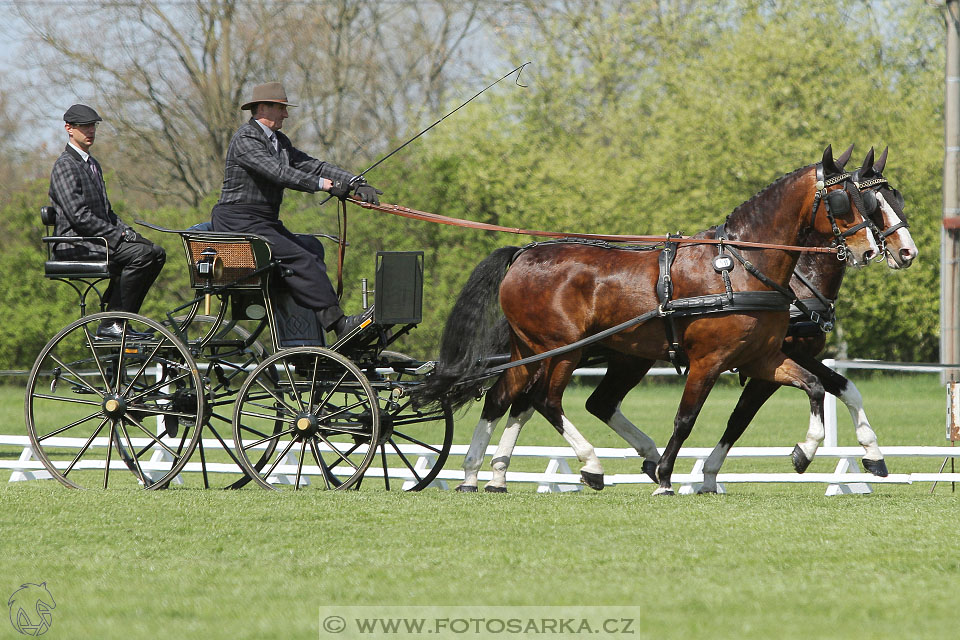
column 348, row 324
column 112, row 330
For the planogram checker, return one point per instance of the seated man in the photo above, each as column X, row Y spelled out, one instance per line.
column 78, row 193
column 261, row 163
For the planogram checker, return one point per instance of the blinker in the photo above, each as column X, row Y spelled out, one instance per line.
column 869, row 200
column 838, row 202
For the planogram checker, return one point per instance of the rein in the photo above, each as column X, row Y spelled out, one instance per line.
column 406, row 212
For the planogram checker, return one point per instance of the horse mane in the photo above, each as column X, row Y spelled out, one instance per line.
column 756, row 205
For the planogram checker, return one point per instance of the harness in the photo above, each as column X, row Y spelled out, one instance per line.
column 779, row 299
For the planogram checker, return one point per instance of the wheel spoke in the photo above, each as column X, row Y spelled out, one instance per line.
column 44, row 396
column 405, row 461
column 70, row 426
column 106, row 468
column 96, row 358
column 336, row 451
column 133, row 454
column 84, row 448
column 425, row 445
column 267, row 439
column 137, row 424
column 303, row 450
column 313, row 382
column 324, row 469
column 293, row 386
column 279, row 458
column 155, row 386
column 251, row 414
column 80, row 379
column 143, row 367
column 383, row 463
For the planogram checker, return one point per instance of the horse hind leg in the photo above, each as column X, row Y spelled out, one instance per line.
column 754, row 395
column 501, row 459
column 605, row 402
column 494, row 406
column 848, row 393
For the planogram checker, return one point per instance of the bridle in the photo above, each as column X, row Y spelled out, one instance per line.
column 870, row 189
column 837, row 203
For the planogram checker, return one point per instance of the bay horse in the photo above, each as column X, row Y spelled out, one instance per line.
column 555, row 294
column 820, row 277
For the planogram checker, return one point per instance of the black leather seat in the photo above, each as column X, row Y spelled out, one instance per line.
column 58, row 267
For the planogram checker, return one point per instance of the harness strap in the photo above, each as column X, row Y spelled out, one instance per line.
column 664, row 293
column 819, row 309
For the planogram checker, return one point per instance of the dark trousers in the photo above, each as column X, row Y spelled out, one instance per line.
column 136, row 265
column 309, row 283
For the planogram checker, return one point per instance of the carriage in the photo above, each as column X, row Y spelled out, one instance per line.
column 237, row 386
column 303, row 413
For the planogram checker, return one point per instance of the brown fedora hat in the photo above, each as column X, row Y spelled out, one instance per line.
column 269, row 92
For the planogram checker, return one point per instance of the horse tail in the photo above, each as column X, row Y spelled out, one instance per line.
column 475, row 329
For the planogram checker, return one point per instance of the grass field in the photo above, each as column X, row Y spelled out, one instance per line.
column 764, row 561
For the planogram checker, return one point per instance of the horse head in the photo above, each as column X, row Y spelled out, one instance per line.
column 838, row 210
column 885, row 208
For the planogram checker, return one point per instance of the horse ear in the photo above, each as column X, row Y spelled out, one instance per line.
column 844, row 157
column 867, row 165
column 881, row 161
column 829, row 166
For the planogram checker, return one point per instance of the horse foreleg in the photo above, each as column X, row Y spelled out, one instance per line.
column 754, row 395
column 700, row 381
column 848, row 393
column 501, row 459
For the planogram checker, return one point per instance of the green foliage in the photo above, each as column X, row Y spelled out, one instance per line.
column 640, row 118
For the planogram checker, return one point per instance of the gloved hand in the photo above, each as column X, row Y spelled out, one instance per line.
column 129, row 235
column 367, row 193
column 340, row 189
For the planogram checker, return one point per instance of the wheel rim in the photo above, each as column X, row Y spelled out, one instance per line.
column 328, row 415
column 95, row 407
column 420, row 440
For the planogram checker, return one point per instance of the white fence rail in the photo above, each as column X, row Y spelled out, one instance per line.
column 558, row 476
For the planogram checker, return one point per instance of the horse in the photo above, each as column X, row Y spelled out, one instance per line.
column 556, row 294
column 818, row 280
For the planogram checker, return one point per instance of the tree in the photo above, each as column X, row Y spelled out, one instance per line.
column 170, row 76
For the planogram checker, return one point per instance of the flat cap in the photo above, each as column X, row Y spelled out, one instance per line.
column 81, row 114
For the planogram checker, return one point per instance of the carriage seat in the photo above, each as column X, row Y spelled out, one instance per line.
column 68, row 267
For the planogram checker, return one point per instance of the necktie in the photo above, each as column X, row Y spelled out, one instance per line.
column 273, row 141
column 93, row 168
column 96, row 180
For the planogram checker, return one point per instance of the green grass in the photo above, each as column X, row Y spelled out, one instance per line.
column 764, row 561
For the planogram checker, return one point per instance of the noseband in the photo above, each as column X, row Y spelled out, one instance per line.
column 871, row 203
column 835, row 203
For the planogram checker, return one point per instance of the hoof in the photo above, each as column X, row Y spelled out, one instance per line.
column 800, row 459
column 703, row 492
column 650, row 468
column 876, row 467
column 466, row 488
column 493, row 489
column 663, row 491
column 592, row 480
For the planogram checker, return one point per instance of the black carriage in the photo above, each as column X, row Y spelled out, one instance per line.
column 237, row 384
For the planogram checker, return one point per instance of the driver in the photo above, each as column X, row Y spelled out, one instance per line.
column 261, row 163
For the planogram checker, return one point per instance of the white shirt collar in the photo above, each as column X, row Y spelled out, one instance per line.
column 266, row 130
column 83, row 154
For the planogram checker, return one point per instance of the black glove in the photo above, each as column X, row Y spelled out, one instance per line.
column 340, row 189
column 129, row 235
column 367, row 193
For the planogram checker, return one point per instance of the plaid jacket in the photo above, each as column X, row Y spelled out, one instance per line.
column 256, row 174
column 83, row 208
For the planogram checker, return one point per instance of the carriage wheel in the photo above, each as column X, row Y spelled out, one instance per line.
column 419, row 439
column 330, row 421
column 227, row 358
column 95, row 406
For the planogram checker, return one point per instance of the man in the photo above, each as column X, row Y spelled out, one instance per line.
column 78, row 193
column 261, row 163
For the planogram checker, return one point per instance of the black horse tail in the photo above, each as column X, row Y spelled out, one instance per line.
column 475, row 330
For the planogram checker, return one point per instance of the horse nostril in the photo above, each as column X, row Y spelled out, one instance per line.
column 907, row 255
column 869, row 255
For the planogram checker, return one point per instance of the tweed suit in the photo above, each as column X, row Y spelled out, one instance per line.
column 254, row 179
column 83, row 209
